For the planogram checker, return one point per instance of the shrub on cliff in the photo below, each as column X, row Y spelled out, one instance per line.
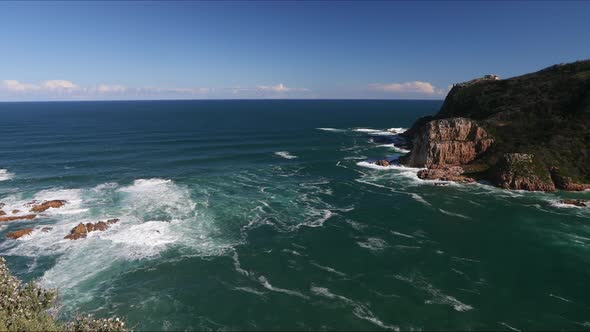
column 28, row 307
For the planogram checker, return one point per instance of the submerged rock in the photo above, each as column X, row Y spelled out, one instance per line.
column 15, row 211
column 20, row 233
column 447, row 173
column 13, row 218
column 2, row 213
column 575, row 202
column 47, row 204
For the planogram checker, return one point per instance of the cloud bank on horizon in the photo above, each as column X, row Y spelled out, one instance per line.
column 109, row 50
column 59, row 89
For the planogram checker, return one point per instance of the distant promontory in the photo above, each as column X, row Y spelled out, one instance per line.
column 530, row 132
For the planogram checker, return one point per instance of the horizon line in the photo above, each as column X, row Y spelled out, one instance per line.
column 217, row 99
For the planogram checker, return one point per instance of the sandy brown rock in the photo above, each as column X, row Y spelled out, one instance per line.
column 82, row 230
column 48, row 204
column 520, row 171
column 2, row 213
column 13, row 218
column 453, row 141
column 566, row 183
column 101, row 226
column 446, row 173
column 77, row 232
column 20, row 233
column 575, row 202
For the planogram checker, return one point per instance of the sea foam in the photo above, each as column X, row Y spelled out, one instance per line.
column 5, row 175
column 285, row 154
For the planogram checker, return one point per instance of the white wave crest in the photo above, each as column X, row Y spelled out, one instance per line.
column 5, row 175
column 266, row 284
column 285, row 154
column 397, row 130
column 331, row 129
column 395, row 148
column 373, row 243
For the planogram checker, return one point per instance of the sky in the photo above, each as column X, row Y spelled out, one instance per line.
column 95, row 50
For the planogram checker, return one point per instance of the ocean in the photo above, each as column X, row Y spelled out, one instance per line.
column 258, row 215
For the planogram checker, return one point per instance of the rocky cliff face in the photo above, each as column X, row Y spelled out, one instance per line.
column 454, row 141
column 530, row 132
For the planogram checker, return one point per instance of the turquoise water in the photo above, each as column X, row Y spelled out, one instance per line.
column 264, row 215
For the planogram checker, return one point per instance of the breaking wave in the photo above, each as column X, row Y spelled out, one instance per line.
column 5, row 175
column 285, row 154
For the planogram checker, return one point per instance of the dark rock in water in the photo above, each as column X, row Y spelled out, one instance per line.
column 2, row 205
column 81, row 230
column 15, row 211
column 512, row 132
column 448, row 173
column 441, row 184
column 77, row 232
column 101, row 226
column 47, row 204
column 520, row 171
column 20, row 233
column 13, row 218
column 46, row 229
column 382, row 163
column 2, row 213
column 576, row 202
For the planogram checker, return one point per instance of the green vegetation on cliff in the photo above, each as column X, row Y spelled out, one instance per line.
column 545, row 114
column 28, row 307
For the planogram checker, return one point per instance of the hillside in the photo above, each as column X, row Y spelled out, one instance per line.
column 528, row 132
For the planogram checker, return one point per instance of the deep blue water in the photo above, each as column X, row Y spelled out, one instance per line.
column 265, row 215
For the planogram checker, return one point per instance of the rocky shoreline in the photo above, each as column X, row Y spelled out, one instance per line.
column 530, row 132
column 79, row 232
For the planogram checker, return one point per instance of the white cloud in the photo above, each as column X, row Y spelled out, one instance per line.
column 14, row 85
column 67, row 90
column 58, row 85
column 279, row 88
column 105, row 88
column 416, row 87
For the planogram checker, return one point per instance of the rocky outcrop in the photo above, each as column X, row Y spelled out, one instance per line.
column 575, row 202
column 20, row 233
column 454, row 141
column 81, row 230
column 566, row 183
column 512, row 132
column 13, row 218
column 48, row 204
column 383, row 163
column 447, row 173
column 2, row 213
column 520, row 171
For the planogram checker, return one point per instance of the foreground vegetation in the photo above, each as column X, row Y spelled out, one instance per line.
column 28, row 307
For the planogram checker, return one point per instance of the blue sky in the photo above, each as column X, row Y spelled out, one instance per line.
column 277, row 49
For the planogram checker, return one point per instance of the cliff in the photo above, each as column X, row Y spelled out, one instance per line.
column 529, row 132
